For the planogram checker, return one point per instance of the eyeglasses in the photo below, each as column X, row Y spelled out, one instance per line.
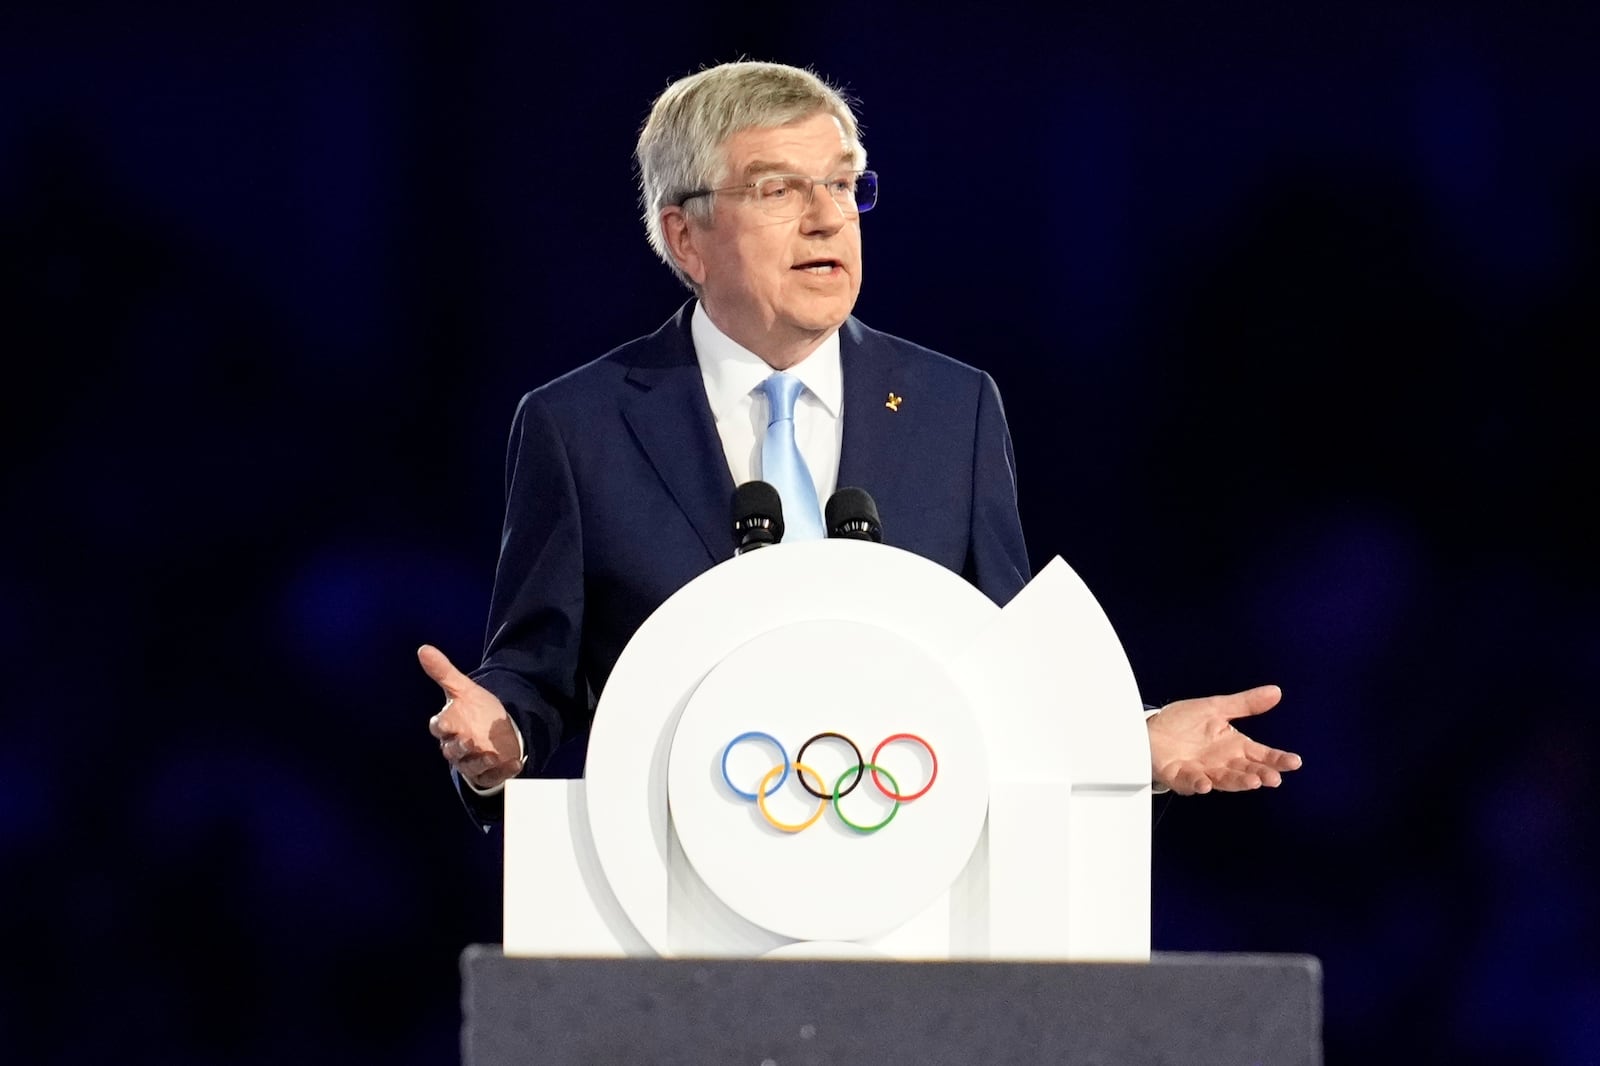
column 789, row 195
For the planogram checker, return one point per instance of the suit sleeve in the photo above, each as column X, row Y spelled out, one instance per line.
column 997, row 556
column 532, row 645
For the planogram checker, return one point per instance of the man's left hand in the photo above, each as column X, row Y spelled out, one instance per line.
column 1194, row 747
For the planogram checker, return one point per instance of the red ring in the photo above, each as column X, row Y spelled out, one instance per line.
column 879, row 751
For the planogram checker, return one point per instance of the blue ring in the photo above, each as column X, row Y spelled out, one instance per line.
column 753, row 735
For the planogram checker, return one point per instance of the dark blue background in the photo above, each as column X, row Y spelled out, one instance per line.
column 1292, row 307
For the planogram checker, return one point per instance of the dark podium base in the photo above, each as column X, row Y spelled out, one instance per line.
column 1179, row 1010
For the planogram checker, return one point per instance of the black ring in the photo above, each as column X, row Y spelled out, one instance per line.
column 861, row 765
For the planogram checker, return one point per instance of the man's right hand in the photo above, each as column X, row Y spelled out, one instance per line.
column 476, row 735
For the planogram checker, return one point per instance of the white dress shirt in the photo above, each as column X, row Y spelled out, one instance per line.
column 733, row 375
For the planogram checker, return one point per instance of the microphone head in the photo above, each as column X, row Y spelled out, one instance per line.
column 757, row 516
column 853, row 515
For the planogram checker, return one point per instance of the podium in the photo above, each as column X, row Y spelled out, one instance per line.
column 840, row 807
column 1189, row 1009
column 1011, row 742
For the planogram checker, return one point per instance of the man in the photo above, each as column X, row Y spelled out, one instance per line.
column 753, row 182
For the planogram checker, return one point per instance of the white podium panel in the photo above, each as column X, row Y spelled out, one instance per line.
column 841, row 749
column 828, row 880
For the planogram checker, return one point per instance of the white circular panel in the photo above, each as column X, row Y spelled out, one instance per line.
column 701, row 624
column 828, row 881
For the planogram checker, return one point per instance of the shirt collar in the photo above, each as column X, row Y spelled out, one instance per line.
column 731, row 372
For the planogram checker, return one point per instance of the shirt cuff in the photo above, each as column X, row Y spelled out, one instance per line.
column 522, row 757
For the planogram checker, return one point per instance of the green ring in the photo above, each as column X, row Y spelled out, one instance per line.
column 837, row 785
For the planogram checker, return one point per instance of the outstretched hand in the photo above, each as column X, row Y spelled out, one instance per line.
column 1194, row 747
column 476, row 735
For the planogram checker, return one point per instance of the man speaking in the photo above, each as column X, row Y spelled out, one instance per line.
column 753, row 181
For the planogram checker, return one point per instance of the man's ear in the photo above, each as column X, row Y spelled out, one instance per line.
column 681, row 237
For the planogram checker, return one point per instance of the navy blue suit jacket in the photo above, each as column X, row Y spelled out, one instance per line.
column 618, row 494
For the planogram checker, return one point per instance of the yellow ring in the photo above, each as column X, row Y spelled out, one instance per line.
column 761, row 798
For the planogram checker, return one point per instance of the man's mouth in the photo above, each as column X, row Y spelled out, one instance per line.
column 819, row 266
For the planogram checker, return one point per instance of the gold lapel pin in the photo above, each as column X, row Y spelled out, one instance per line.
column 893, row 402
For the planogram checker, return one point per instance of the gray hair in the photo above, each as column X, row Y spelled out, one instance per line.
column 680, row 148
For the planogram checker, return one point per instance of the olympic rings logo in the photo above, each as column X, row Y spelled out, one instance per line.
column 779, row 773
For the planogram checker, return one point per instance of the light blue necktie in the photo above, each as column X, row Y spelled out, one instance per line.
column 782, row 465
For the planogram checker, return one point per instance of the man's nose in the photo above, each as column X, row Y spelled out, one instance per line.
column 823, row 214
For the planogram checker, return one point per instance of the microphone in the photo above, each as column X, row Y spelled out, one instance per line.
column 852, row 515
column 757, row 516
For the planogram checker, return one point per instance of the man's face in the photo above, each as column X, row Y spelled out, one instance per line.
column 778, row 286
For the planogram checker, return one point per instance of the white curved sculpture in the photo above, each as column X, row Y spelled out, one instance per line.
column 1023, row 828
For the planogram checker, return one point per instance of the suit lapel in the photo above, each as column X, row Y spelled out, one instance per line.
column 671, row 419
column 873, row 452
